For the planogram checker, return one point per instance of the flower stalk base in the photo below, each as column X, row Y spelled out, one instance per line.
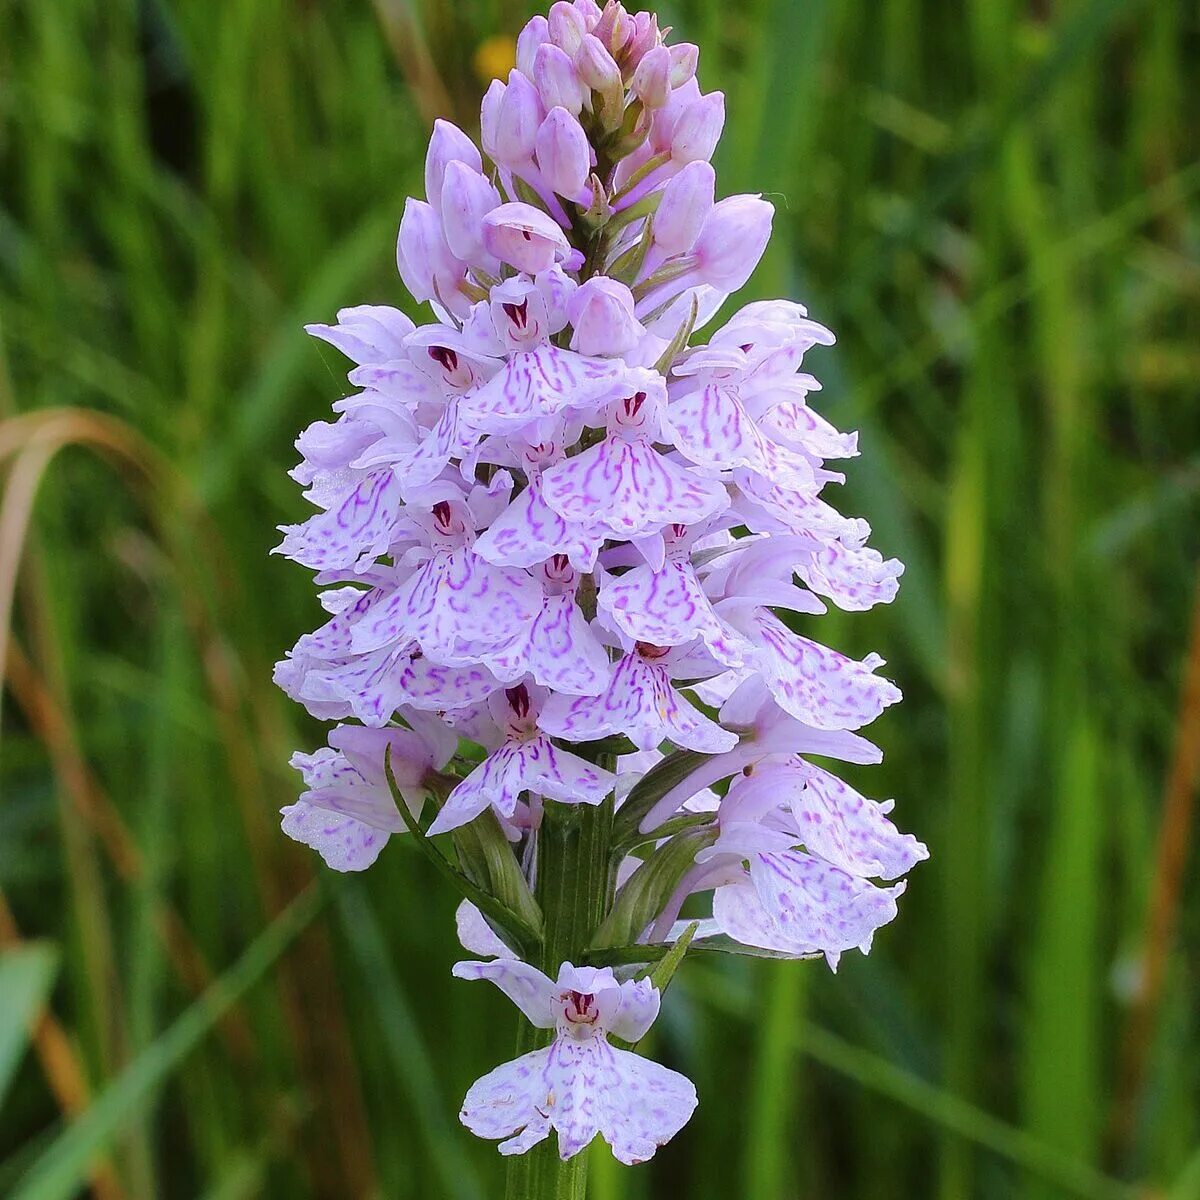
column 574, row 886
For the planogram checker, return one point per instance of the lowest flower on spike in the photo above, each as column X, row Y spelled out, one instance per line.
column 574, row 547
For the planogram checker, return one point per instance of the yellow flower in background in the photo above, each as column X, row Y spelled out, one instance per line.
column 495, row 57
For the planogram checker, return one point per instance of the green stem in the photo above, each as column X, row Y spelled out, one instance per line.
column 574, row 890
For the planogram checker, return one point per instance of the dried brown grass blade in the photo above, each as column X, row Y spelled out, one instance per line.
column 1170, row 859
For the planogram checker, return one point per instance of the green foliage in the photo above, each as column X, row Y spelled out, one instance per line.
column 993, row 204
column 26, row 976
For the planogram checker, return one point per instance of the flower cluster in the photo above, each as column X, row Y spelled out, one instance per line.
column 563, row 550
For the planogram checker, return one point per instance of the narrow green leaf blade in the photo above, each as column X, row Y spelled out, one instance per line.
column 26, row 975
column 62, row 1170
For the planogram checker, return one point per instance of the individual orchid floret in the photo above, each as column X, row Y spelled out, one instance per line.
column 467, row 197
column 602, row 318
column 557, row 80
column 624, row 484
column 685, row 57
column 510, row 138
column 525, row 761
column 447, row 144
column 732, row 240
column 687, row 199
column 580, row 1085
column 567, row 26
column 642, row 703
column 812, row 845
column 366, row 333
column 696, row 133
column 651, row 81
column 558, row 648
column 598, row 69
column 563, row 154
column 523, row 237
column 429, row 269
column 535, row 34
column 667, row 605
column 346, row 812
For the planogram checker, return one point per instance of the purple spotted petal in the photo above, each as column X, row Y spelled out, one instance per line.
column 669, row 608
column 581, row 1089
column 539, row 383
column 375, row 684
column 641, row 703
column 817, row 906
column 455, row 597
column 536, row 765
column 629, row 489
column 797, row 425
column 345, row 843
column 529, row 531
column 710, row 428
column 558, row 649
column 854, row 578
column 817, row 685
column 850, row 831
column 353, row 533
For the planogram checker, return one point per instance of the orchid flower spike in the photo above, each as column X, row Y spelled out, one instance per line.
column 574, row 562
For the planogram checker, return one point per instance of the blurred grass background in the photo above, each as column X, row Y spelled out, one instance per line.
column 993, row 202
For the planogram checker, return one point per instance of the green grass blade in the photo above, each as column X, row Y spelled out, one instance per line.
column 26, row 976
column 934, row 1104
column 404, row 1041
column 62, row 1170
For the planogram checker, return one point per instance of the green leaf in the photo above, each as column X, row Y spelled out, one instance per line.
column 678, row 343
column 523, row 935
column 661, row 974
column 482, row 843
column 648, row 889
column 652, row 787
column 62, row 1170
column 937, row 1105
column 403, row 1040
column 27, row 973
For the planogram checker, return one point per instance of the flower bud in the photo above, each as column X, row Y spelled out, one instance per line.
column 489, row 116
column 664, row 119
column 615, row 29
column 652, row 79
column 447, row 144
column 686, row 202
column 557, row 288
column 429, row 270
column 643, row 38
column 698, row 129
column 467, row 197
column 563, row 154
column 517, row 121
column 597, row 68
column 590, row 11
column 557, row 81
column 601, row 313
column 684, row 59
column 535, row 34
column 733, row 239
column 567, row 26
column 524, row 237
